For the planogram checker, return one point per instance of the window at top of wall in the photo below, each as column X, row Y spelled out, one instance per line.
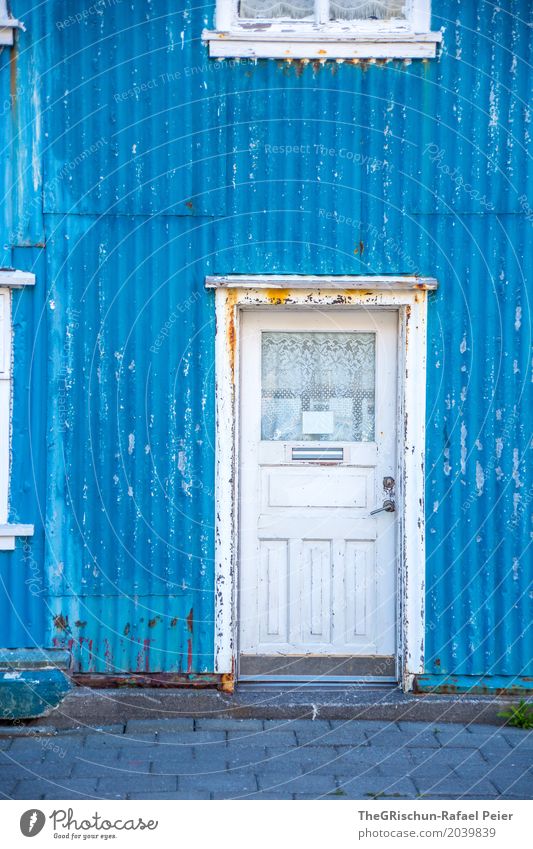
column 323, row 29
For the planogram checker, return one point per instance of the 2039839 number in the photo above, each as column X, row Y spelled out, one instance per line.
column 470, row 832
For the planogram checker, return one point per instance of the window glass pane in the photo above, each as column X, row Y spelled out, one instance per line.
column 366, row 10
column 292, row 9
column 318, row 387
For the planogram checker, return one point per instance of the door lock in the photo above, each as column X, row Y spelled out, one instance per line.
column 388, row 507
column 388, row 484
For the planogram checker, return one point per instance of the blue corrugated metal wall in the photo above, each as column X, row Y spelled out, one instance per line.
column 142, row 166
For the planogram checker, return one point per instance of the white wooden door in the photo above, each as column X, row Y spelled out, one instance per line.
column 317, row 572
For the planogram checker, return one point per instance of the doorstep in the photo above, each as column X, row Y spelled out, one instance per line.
column 87, row 706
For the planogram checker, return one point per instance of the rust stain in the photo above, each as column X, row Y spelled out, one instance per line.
column 189, row 655
column 231, row 297
column 13, row 61
column 278, row 296
column 189, row 204
column 79, row 624
column 174, row 622
column 61, row 622
column 164, row 680
column 108, row 654
column 451, row 689
column 126, row 629
column 153, row 622
column 190, row 621
column 227, row 683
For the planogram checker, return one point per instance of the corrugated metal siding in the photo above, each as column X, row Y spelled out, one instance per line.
column 161, row 167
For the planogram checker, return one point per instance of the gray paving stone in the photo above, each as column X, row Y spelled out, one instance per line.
column 35, row 789
column 7, row 785
column 227, row 783
column 24, row 750
column 192, row 738
column 40, row 770
column 469, row 797
column 107, row 741
column 513, row 761
column 263, row 794
column 348, row 736
column 348, row 769
column 455, row 786
column 298, row 784
column 416, row 727
column 167, row 759
column 447, row 756
column 191, row 771
column 462, row 738
column 240, row 755
column 25, row 762
column 116, row 769
column 265, row 738
column 137, row 784
column 423, row 739
column 99, row 755
column 486, row 730
column 143, row 726
column 364, row 725
column 182, row 767
column 518, row 737
column 186, row 796
column 376, row 787
column 313, row 758
column 337, row 796
column 312, row 726
column 229, row 724
column 517, row 784
column 115, row 728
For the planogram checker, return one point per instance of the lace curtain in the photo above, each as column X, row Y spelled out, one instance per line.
column 364, row 10
column 293, row 9
column 349, row 10
column 326, row 373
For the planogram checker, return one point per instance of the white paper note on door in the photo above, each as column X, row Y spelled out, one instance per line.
column 318, row 421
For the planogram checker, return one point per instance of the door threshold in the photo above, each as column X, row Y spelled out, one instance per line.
column 318, row 682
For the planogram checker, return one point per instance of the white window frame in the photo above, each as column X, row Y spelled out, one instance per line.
column 408, row 295
column 9, row 279
column 258, row 38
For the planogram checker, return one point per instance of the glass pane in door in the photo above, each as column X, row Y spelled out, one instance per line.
column 318, row 386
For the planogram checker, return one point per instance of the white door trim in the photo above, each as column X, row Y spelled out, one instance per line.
column 411, row 304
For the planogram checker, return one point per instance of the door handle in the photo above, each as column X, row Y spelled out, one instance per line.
column 388, row 507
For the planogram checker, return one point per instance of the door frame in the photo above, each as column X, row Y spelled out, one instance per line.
column 408, row 296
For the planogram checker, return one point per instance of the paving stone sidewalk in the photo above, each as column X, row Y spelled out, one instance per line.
column 268, row 759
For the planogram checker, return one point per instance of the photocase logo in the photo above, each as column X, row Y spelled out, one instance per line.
column 32, row 822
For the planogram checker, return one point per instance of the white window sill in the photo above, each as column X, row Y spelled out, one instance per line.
column 8, row 534
column 261, row 44
column 7, row 28
column 16, row 279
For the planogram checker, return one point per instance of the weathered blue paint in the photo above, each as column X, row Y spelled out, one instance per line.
column 142, row 166
column 474, row 684
column 32, row 682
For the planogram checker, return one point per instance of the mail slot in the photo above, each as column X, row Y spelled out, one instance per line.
column 323, row 454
